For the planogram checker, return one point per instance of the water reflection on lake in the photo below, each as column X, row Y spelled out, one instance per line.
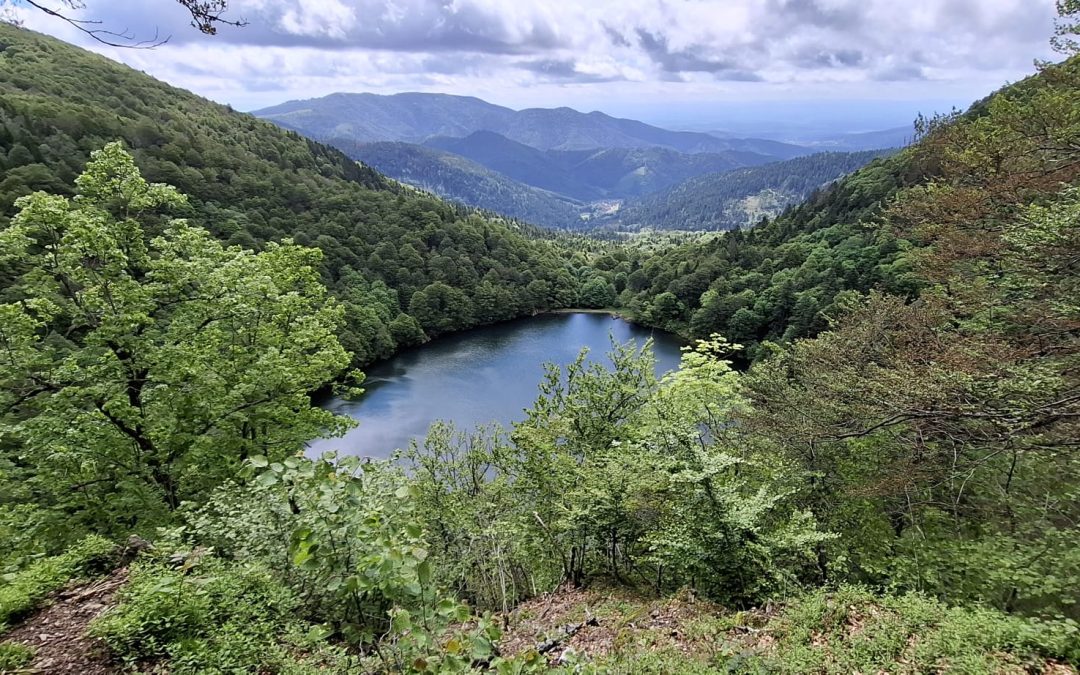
column 476, row 377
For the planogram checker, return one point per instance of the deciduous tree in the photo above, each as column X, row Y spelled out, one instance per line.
column 140, row 367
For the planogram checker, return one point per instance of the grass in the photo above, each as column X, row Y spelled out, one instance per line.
column 14, row 656
column 25, row 590
column 840, row 631
column 852, row 629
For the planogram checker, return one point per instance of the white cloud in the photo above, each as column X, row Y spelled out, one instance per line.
column 330, row 18
column 611, row 54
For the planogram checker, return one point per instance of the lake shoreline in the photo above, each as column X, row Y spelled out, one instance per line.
column 581, row 310
column 479, row 376
column 326, row 392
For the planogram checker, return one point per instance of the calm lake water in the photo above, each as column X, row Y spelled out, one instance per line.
column 476, row 377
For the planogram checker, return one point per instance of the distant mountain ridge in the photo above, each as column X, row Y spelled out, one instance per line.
column 601, row 173
column 416, row 117
column 562, row 168
column 739, row 198
column 459, row 179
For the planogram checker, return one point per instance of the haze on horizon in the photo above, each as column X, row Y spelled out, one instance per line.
column 744, row 66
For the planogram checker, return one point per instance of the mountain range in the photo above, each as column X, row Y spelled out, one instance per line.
column 739, row 198
column 600, row 173
column 549, row 166
column 460, row 179
column 416, row 117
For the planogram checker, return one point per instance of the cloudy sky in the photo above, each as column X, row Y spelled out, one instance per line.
column 690, row 63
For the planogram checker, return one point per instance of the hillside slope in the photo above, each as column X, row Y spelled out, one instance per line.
column 388, row 253
column 742, row 197
column 605, row 173
column 546, row 188
column 458, row 179
column 414, row 117
column 897, row 493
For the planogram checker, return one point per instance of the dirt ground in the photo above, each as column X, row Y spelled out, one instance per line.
column 57, row 632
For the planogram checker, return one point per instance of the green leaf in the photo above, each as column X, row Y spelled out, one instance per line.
column 401, row 621
column 423, row 572
column 320, row 632
column 258, row 461
column 302, row 554
column 446, row 607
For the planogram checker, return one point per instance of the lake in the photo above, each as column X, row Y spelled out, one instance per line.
column 477, row 377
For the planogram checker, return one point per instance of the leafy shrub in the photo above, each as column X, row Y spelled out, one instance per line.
column 613, row 474
column 25, row 590
column 853, row 630
column 204, row 615
column 344, row 538
column 13, row 656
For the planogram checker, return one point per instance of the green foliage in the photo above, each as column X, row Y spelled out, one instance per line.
column 740, row 198
column 203, row 614
column 250, row 183
column 142, row 369
column 613, row 473
column 23, row 591
column 344, row 538
column 937, row 435
column 922, row 443
column 484, row 539
column 1066, row 28
column 597, row 293
column 14, row 656
column 852, row 630
column 458, row 179
column 782, row 279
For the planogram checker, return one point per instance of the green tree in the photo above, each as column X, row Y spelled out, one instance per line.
column 140, row 369
column 597, row 292
column 665, row 309
column 406, row 331
column 440, row 308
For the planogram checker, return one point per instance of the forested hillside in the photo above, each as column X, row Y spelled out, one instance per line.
column 741, row 198
column 666, row 189
column 415, row 117
column 407, row 267
column 604, row 173
column 546, row 188
column 461, row 180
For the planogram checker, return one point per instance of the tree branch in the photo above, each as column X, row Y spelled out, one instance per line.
column 206, row 16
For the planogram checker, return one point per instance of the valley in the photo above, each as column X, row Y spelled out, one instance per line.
column 388, row 383
column 561, row 168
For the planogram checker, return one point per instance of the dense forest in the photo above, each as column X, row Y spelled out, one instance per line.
column 459, row 179
column 741, row 198
column 899, row 491
column 599, row 173
column 406, row 266
column 551, row 188
column 414, row 117
column 781, row 279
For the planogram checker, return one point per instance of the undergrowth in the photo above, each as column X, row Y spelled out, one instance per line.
column 205, row 615
column 23, row 591
column 14, row 656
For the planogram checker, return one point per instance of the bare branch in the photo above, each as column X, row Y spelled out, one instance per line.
column 206, row 16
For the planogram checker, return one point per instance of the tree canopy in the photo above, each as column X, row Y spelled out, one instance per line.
column 143, row 367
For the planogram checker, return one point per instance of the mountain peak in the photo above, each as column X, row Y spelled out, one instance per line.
column 417, row 116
